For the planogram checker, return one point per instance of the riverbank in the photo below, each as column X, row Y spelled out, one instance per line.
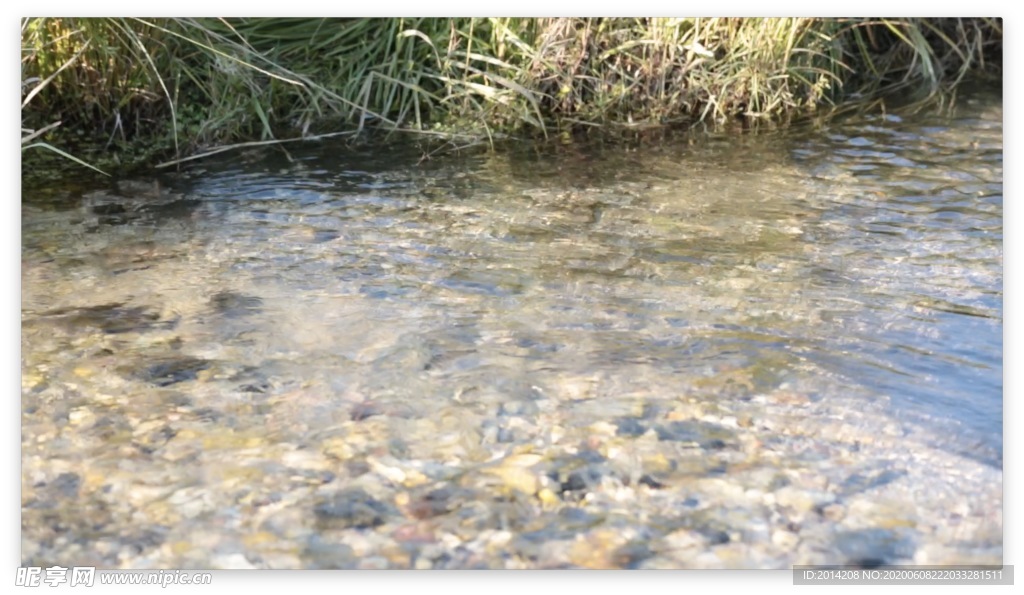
column 119, row 93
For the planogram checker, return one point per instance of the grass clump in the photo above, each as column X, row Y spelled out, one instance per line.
column 128, row 90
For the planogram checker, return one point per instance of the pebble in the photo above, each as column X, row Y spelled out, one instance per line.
column 516, row 478
column 423, row 564
column 188, row 438
column 374, row 563
column 794, row 498
column 786, row 540
column 875, row 547
column 595, row 550
column 230, row 562
column 576, row 388
column 352, row 508
column 81, row 416
column 684, row 539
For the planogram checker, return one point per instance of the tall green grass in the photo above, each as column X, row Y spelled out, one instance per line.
column 140, row 87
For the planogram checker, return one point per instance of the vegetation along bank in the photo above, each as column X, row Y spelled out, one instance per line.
column 115, row 93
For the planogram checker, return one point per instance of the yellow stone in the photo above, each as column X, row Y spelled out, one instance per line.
column 80, row 416
column 161, row 512
column 685, row 411
column 786, row 540
column 547, row 497
column 240, row 475
column 414, row 478
column 392, row 474
column 83, row 372
column 603, row 428
column 521, row 460
column 254, row 540
column 577, row 388
column 186, row 434
column 896, row 523
column 734, row 555
column 104, row 398
column 339, row 448
column 516, row 478
column 231, row 440
column 594, row 550
column 31, row 380
column 657, row 463
column 93, row 480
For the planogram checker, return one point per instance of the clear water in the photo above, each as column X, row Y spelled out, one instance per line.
column 265, row 329
column 868, row 254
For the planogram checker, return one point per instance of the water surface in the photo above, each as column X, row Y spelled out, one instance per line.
column 283, row 297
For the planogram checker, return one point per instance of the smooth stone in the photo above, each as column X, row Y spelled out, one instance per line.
column 113, row 318
column 234, row 305
column 436, row 502
column 802, row 500
column 860, row 482
column 353, row 508
column 876, row 547
column 702, row 434
column 786, row 540
column 630, row 426
column 321, row 554
column 172, row 370
column 65, row 485
column 231, row 562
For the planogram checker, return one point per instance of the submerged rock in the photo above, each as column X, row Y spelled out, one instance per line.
column 321, row 554
column 172, row 370
column 861, row 482
column 704, row 435
column 870, row 548
column 437, row 502
column 352, row 508
column 234, row 305
column 113, row 318
column 65, row 485
column 629, row 426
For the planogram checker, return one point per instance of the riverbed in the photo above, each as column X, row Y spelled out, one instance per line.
column 713, row 352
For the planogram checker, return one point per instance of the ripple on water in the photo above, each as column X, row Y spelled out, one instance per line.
column 745, row 352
